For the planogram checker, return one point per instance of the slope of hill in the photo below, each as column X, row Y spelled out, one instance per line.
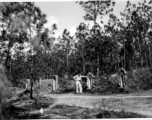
column 136, row 81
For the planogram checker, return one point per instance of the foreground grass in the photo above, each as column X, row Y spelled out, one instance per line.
column 20, row 110
column 74, row 112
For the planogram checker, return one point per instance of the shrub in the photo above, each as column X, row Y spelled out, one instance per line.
column 66, row 85
column 104, row 86
column 138, row 80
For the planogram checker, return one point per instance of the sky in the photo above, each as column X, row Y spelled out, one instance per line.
column 68, row 14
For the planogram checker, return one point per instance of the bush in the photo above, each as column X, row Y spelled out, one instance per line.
column 66, row 85
column 136, row 80
column 121, row 114
column 104, row 86
column 139, row 80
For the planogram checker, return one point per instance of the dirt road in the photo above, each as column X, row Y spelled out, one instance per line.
column 141, row 104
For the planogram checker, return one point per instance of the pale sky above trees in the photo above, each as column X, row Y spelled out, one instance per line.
column 68, row 14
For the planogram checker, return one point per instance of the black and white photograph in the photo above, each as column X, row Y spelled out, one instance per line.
column 69, row 59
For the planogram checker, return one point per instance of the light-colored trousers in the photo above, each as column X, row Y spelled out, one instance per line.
column 78, row 87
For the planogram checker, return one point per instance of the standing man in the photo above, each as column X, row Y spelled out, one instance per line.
column 122, row 73
column 78, row 82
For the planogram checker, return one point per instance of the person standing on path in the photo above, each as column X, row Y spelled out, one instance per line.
column 78, row 82
column 122, row 73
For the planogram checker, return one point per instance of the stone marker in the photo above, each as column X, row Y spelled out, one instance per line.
column 27, row 84
column 91, row 78
column 55, row 82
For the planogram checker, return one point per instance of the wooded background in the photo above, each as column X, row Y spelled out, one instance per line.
column 123, row 42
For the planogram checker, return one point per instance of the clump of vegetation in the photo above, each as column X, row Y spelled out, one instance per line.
column 105, row 86
column 121, row 114
column 138, row 80
column 66, row 85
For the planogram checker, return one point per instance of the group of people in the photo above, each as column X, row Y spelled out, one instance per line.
column 78, row 80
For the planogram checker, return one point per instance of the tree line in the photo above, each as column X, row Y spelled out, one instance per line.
column 124, row 41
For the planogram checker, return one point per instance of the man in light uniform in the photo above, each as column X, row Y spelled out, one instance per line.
column 78, row 82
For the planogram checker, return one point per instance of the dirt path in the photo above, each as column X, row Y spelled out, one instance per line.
column 132, row 103
column 140, row 102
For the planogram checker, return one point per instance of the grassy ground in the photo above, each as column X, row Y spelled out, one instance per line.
column 27, row 109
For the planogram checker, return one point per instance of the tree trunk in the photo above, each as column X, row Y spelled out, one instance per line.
column 133, row 62
column 130, row 67
column 92, row 67
column 98, row 66
column 84, row 65
column 150, row 55
column 67, row 67
column 83, row 58
column 31, row 90
column 7, row 59
column 142, row 61
column 32, row 78
column 124, row 66
column 146, row 60
column 10, row 69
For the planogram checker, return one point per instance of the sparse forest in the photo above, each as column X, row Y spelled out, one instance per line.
column 29, row 51
column 124, row 41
